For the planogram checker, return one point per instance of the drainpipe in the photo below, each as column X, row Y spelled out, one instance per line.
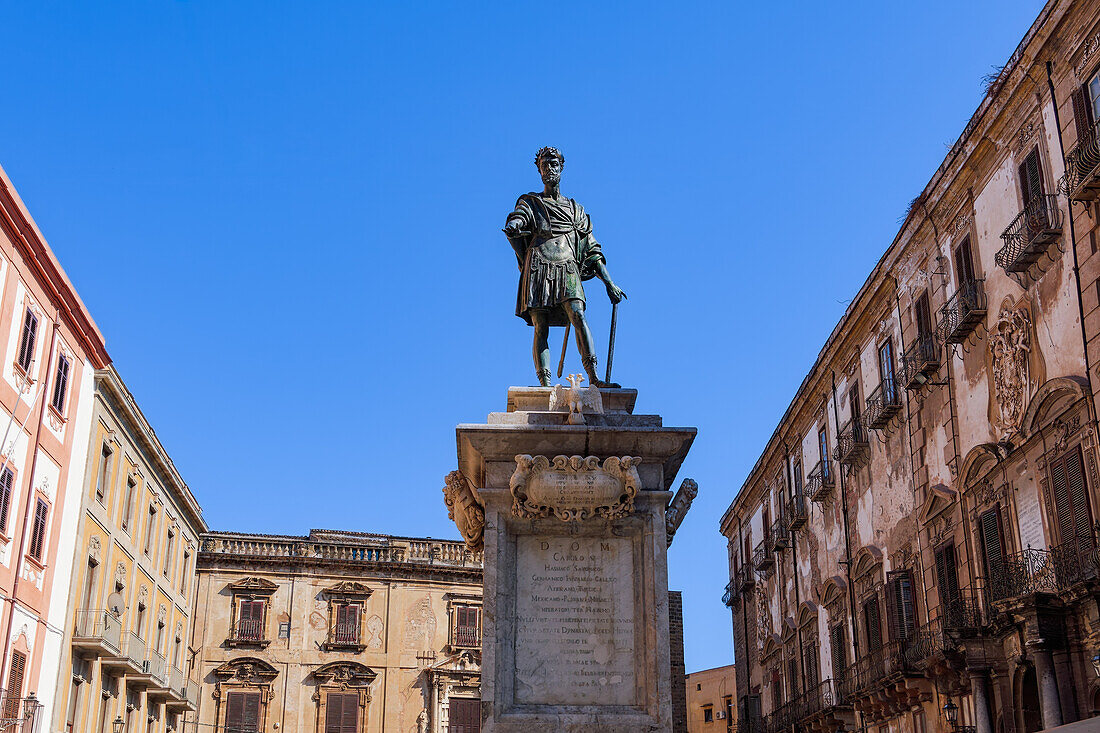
column 20, row 559
column 794, row 566
column 847, row 541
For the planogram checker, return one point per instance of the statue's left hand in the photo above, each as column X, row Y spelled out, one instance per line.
column 615, row 293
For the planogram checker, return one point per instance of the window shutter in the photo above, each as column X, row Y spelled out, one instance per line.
column 342, row 713
column 61, row 383
column 947, row 578
column 38, row 530
column 873, row 622
column 924, row 316
column 836, row 642
column 1082, row 116
column 26, row 341
column 463, row 716
column 900, row 605
column 992, row 547
column 809, row 665
column 792, row 677
column 1031, row 177
column 964, row 263
column 15, row 683
column 1078, row 495
column 1063, row 505
column 242, row 712
column 5, row 498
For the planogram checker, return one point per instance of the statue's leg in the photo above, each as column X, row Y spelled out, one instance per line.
column 575, row 310
column 540, row 319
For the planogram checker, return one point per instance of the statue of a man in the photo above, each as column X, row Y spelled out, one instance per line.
column 552, row 237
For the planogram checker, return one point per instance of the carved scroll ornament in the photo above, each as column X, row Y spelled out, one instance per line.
column 679, row 506
column 1010, row 346
column 464, row 509
column 574, row 488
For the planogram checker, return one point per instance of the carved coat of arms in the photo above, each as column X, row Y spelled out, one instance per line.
column 573, row 488
column 1010, row 347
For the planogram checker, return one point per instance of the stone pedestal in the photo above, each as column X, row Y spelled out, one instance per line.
column 568, row 491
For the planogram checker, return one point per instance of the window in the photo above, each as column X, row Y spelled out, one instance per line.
column 346, row 630
column 810, row 664
column 139, row 620
column 467, row 626
column 60, row 384
column 250, row 620
column 464, row 715
column 128, row 507
column 6, row 480
column 38, row 530
column 150, row 525
column 15, row 683
column 922, row 311
column 964, row 263
column 836, row 644
column 89, row 585
column 792, row 676
column 104, row 477
column 872, row 624
column 708, row 714
column 159, row 642
column 823, row 450
column 109, row 690
column 1071, row 503
column 947, row 574
column 168, row 554
column 74, row 705
column 26, row 341
column 342, row 712
column 183, row 573
column 1031, row 177
column 901, row 604
column 798, row 477
column 853, row 404
column 777, row 689
column 176, row 653
column 242, row 712
column 886, row 370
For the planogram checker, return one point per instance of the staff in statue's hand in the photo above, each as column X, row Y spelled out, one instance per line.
column 552, row 238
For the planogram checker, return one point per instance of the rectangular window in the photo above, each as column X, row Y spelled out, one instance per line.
column 168, row 554
column 342, row 712
column 886, row 369
column 183, row 573
column 103, row 479
column 1071, row 503
column 947, row 574
column 467, row 626
column 463, row 715
column 89, row 585
column 15, row 683
column 792, row 677
column 872, row 623
column 777, row 689
column 74, row 705
column 901, row 604
column 923, row 313
column 250, row 620
column 708, row 714
column 7, row 478
column 823, row 450
column 105, row 704
column 242, row 712
column 347, row 624
column 839, row 655
column 150, row 525
column 1031, row 177
column 158, row 644
column 38, row 530
column 798, row 477
column 810, row 664
column 128, row 508
column 964, row 263
column 26, row 341
column 992, row 540
column 60, row 384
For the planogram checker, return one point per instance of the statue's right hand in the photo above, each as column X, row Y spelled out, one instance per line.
column 512, row 229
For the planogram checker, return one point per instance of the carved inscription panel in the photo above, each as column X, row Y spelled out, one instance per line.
column 574, row 621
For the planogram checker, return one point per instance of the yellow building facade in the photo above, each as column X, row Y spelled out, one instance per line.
column 126, row 652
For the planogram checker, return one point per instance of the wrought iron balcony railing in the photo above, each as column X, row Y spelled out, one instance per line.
column 870, row 670
column 819, row 482
column 797, row 514
column 1027, row 237
column 745, row 579
column 962, row 613
column 781, row 537
column 732, row 593
column 883, row 404
column 763, row 557
column 345, row 634
column 248, row 630
column 467, row 637
column 919, row 362
column 1045, row 571
column 1082, row 179
column 851, row 442
column 817, row 700
column 962, row 313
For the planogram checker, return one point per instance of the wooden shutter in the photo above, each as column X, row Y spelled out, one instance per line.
column 964, row 263
column 853, row 403
column 993, row 552
column 900, row 604
column 839, row 654
column 61, row 383
column 947, row 574
column 810, row 665
column 342, row 713
column 1082, row 113
column 38, row 529
column 924, row 316
column 1031, row 177
column 242, row 712
column 15, row 683
column 464, row 716
column 872, row 621
column 5, row 498
column 26, row 341
column 1071, row 502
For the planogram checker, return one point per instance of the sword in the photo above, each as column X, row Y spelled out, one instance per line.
column 564, row 344
column 611, row 341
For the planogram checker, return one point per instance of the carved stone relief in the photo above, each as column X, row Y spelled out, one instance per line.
column 574, row 488
column 374, row 632
column 95, row 550
column 464, row 509
column 1010, row 347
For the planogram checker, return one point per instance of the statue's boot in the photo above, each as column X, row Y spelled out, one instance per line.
column 545, row 376
column 590, row 367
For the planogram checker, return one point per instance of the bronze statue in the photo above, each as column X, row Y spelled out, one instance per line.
column 552, row 238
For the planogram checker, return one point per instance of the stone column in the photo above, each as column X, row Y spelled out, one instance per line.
column 982, row 721
column 1048, row 688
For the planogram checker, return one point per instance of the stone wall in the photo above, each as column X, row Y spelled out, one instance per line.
column 679, row 671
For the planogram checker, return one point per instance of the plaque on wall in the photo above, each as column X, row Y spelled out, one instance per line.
column 574, row 488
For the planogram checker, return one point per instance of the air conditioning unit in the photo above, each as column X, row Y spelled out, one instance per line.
column 721, row 714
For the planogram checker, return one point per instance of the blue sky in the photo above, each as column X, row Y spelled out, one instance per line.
column 285, row 217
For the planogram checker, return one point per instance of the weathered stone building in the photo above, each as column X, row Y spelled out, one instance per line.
column 916, row 546
column 335, row 631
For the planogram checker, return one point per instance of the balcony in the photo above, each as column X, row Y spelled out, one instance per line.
column 797, row 515
column 1082, row 179
column 745, row 580
column 962, row 313
column 97, row 632
column 177, row 689
column 1027, row 237
column 781, row 538
column 732, row 594
column 882, row 683
column 153, row 674
column 131, row 661
column 344, row 636
column 819, row 482
column 763, row 557
column 851, row 443
column 1052, row 571
column 467, row 637
column 248, row 632
column 820, row 708
column 919, row 362
column 882, row 404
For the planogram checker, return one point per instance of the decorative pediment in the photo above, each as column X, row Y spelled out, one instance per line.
column 463, row 662
column 807, row 613
column 1051, row 400
column 345, row 674
column 772, row 644
column 349, row 589
column 789, row 628
column 939, row 498
column 253, row 586
column 867, row 557
column 833, row 591
column 247, row 670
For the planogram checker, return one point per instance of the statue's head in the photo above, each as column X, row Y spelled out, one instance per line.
column 550, row 162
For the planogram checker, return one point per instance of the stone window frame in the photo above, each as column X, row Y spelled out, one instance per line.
column 343, row 677
column 250, row 589
column 454, row 602
column 346, row 593
column 868, row 580
column 244, row 674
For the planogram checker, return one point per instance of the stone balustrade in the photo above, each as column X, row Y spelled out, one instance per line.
column 378, row 549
